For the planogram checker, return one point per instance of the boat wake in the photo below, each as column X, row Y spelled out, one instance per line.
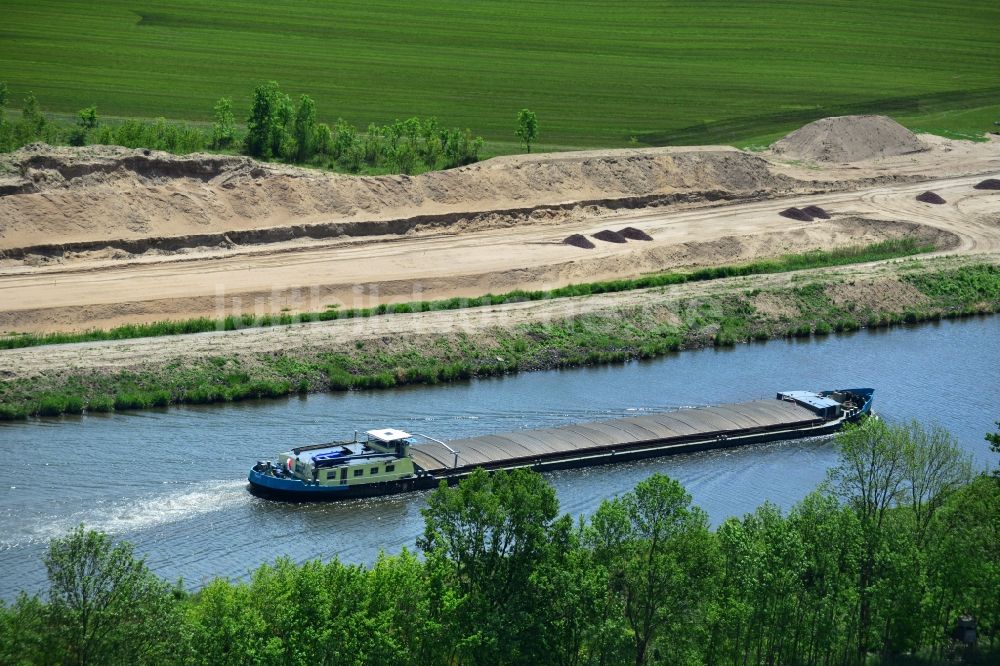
column 131, row 514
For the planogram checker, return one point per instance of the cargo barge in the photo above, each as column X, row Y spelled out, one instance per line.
column 389, row 461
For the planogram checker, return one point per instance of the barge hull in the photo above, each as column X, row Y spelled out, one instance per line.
column 307, row 493
column 792, row 416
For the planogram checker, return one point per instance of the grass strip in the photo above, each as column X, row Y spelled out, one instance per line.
column 817, row 308
column 891, row 249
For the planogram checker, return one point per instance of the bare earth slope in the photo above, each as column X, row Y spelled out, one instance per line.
column 64, row 195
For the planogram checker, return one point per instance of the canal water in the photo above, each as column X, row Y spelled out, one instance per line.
column 173, row 482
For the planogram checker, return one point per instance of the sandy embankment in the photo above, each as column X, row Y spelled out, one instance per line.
column 104, row 236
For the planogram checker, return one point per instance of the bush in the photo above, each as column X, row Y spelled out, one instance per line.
column 132, row 400
column 339, row 379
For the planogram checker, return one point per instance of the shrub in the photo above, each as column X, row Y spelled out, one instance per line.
column 339, row 379
column 49, row 405
column 132, row 400
column 100, row 403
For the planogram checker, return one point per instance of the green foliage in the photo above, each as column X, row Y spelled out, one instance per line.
column 305, row 129
column 87, row 118
column 156, row 135
column 86, row 122
column 962, row 553
column 527, row 128
column 105, row 606
column 491, row 534
column 267, row 123
column 31, row 114
column 662, row 562
column 883, row 467
column 994, row 439
column 968, row 285
column 224, row 127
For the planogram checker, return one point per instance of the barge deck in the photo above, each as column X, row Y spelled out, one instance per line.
column 392, row 461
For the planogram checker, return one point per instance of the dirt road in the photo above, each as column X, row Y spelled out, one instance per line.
column 311, row 275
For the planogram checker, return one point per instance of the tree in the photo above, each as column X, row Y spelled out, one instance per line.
column 108, row 607
column 270, row 114
column 345, row 139
column 831, row 537
column 305, row 129
column 87, row 118
column 963, row 561
column 870, row 478
column 86, row 121
column 762, row 596
column 493, row 532
column 662, row 563
column 323, row 140
column 935, row 467
column 25, row 632
column 224, row 127
column 4, row 94
column 895, row 478
column 527, row 127
column 31, row 114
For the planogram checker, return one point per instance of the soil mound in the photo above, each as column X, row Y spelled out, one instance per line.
column 848, row 139
column 988, row 184
column 632, row 233
column 816, row 211
column 796, row 214
column 579, row 240
column 610, row 236
column 930, row 197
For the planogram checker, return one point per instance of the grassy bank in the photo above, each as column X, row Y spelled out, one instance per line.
column 663, row 73
column 892, row 249
column 799, row 310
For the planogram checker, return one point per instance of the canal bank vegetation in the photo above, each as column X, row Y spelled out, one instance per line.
column 796, row 308
column 890, row 249
column 892, row 560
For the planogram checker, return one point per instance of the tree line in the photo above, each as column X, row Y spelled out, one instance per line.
column 896, row 549
column 276, row 129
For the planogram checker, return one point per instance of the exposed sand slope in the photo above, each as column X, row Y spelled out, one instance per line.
column 848, row 139
column 65, row 195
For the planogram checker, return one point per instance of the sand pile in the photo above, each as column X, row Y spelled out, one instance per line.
column 796, row 214
column 78, row 195
column 632, row 233
column 610, row 236
column 848, row 139
column 579, row 240
column 816, row 211
column 988, row 184
column 930, row 197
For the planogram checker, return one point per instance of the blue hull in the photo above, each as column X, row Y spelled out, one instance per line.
column 294, row 490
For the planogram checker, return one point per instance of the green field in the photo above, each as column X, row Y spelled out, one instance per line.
column 596, row 73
